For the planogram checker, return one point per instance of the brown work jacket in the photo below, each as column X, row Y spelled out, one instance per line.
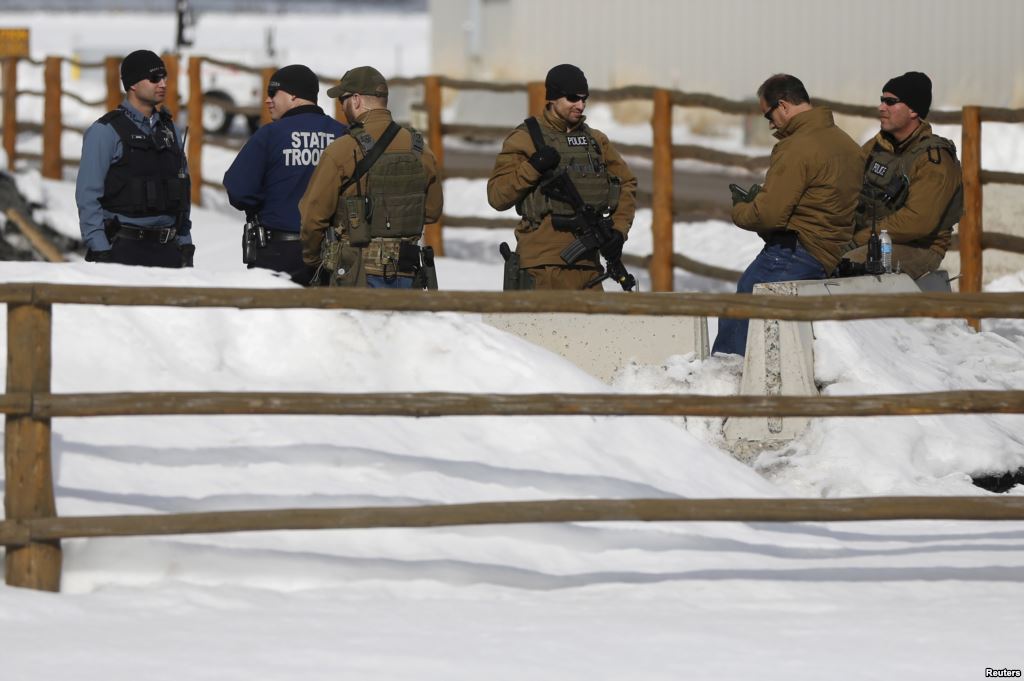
column 811, row 188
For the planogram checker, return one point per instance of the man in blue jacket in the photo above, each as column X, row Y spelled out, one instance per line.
column 133, row 191
column 270, row 173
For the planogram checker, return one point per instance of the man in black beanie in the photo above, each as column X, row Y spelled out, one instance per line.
column 912, row 181
column 560, row 141
column 133, row 191
column 270, row 174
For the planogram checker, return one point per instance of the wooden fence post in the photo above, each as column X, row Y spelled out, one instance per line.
column 195, row 128
column 536, row 98
column 10, row 76
column 266, row 74
column 112, row 67
column 52, row 168
column 28, row 489
column 661, row 204
column 432, row 234
column 971, row 225
column 172, row 103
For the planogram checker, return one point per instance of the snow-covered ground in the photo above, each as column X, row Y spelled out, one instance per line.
column 884, row 600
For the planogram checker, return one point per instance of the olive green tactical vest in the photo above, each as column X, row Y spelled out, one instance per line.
column 582, row 160
column 887, row 183
column 394, row 203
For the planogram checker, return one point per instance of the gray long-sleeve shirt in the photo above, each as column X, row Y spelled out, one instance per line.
column 101, row 147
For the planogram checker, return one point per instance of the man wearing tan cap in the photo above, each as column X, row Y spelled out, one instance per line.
column 371, row 193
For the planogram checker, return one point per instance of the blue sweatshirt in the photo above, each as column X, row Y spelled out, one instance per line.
column 271, row 172
column 101, row 147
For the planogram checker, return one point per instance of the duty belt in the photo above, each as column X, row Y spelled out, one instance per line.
column 281, row 235
column 786, row 239
column 161, row 235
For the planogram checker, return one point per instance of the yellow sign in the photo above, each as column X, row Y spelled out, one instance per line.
column 13, row 42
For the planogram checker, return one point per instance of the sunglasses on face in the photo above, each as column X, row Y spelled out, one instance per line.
column 769, row 112
column 572, row 99
column 345, row 98
column 890, row 101
column 157, row 76
column 272, row 90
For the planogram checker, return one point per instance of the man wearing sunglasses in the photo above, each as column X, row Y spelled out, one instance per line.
column 269, row 176
column 804, row 211
column 560, row 142
column 370, row 196
column 132, row 190
column 912, row 181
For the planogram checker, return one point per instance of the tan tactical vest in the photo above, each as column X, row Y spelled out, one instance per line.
column 582, row 160
column 394, row 201
column 887, row 182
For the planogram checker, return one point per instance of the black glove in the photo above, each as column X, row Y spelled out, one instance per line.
column 545, row 158
column 611, row 249
column 98, row 256
column 188, row 253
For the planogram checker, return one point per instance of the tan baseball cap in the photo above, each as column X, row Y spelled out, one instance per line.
column 362, row 80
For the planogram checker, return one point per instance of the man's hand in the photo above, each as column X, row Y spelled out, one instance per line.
column 741, row 195
column 545, row 158
column 97, row 256
column 188, row 253
column 611, row 249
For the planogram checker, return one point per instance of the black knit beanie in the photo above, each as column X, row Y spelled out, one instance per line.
column 914, row 89
column 297, row 80
column 139, row 65
column 565, row 79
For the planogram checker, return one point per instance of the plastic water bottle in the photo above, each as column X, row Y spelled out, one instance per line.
column 886, row 251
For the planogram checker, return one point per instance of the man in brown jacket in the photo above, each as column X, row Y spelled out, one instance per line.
column 805, row 210
column 361, row 224
column 913, row 185
column 596, row 169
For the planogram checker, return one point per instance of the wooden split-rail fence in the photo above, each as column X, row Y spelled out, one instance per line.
column 32, row 530
column 971, row 239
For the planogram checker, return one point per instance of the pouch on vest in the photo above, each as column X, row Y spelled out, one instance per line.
column 349, row 269
column 356, row 208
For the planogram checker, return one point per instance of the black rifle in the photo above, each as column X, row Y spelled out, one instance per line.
column 873, row 263
column 254, row 236
column 591, row 227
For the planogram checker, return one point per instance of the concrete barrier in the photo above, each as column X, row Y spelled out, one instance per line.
column 601, row 345
column 780, row 355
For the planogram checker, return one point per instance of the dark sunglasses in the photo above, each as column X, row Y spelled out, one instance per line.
column 769, row 112
column 890, row 101
column 157, row 76
column 572, row 99
column 347, row 97
column 272, row 90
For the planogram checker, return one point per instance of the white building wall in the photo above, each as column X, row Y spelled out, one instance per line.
column 845, row 51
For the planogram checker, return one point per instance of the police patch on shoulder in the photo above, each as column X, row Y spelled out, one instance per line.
column 879, row 169
column 577, row 140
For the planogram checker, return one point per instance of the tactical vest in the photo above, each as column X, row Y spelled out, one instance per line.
column 149, row 179
column 394, row 203
column 580, row 158
column 887, row 183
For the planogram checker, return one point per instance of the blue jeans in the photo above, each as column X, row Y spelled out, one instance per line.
column 773, row 263
column 377, row 281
